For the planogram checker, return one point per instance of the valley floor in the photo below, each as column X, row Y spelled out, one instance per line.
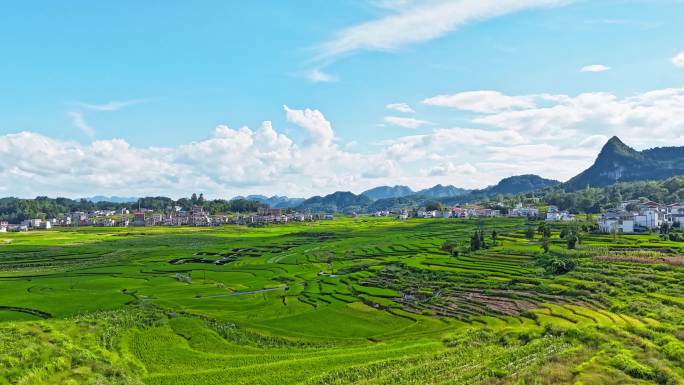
column 350, row 301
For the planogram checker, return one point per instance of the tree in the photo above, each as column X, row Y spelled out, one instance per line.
column 544, row 230
column 193, row 199
column 433, row 206
column 475, row 243
column 664, row 228
column 494, row 236
column 545, row 244
column 449, row 246
column 529, row 233
column 573, row 237
column 200, row 200
column 483, row 244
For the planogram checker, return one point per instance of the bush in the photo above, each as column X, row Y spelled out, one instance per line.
column 556, row 264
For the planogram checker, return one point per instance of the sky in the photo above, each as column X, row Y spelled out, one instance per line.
column 306, row 97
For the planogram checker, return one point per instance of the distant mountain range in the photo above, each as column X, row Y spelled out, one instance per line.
column 438, row 191
column 384, row 192
column 340, row 201
column 392, row 197
column 618, row 162
column 113, row 199
column 278, row 202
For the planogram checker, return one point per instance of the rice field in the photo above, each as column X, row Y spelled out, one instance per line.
column 350, row 301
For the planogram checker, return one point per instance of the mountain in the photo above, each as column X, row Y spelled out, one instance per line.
column 340, row 201
column 440, row 191
column 520, row 184
column 112, row 199
column 384, row 192
column 277, row 202
column 618, row 162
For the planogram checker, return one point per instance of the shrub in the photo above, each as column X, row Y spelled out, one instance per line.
column 556, row 264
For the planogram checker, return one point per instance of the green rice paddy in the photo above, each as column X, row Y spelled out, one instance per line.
column 350, row 301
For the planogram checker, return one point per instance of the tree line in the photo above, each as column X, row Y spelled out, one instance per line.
column 15, row 210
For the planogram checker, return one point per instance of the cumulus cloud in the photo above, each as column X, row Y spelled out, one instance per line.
column 595, row 68
column 556, row 136
column 405, row 122
column 678, row 60
column 481, row 101
column 411, row 22
column 319, row 128
column 656, row 115
column 400, row 107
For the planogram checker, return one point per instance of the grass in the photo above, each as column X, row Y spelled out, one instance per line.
column 365, row 300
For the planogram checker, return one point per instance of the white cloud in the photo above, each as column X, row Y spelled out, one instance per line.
column 111, row 106
column 400, row 107
column 229, row 162
column 319, row 129
column 448, row 141
column 595, row 68
column 392, row 4
column 557, row 137
column 481, row 101
column 654, row 117
column 449, row 168
column 318, row 76
column 79, row 122
column 405, row 122
column 678, row 60
column 412, row 22
column 593, row 141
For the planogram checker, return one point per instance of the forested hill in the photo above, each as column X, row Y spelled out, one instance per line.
column 15, row 210
column 515, row 185
column 384, row 192
column 597, row 199
column 618, row 162
column 340, row 201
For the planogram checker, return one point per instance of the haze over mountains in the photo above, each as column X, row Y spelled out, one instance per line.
column 115, row 199
column 616, row 162
column 437, row 191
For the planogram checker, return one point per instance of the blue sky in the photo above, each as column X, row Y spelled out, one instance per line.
column 150, row 97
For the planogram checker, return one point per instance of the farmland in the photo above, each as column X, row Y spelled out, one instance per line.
column 365, row 301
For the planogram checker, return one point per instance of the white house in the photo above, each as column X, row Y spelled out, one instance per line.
column 554, row 214
column 35, row 223
column 651, row 219
column 616, row 221
column 674, row 213
column 520, row 211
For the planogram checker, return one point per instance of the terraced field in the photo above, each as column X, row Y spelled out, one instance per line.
column 350, row 301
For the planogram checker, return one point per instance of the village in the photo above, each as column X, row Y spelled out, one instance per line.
column 639, row 217
column 175, row 216
column 630, row 217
